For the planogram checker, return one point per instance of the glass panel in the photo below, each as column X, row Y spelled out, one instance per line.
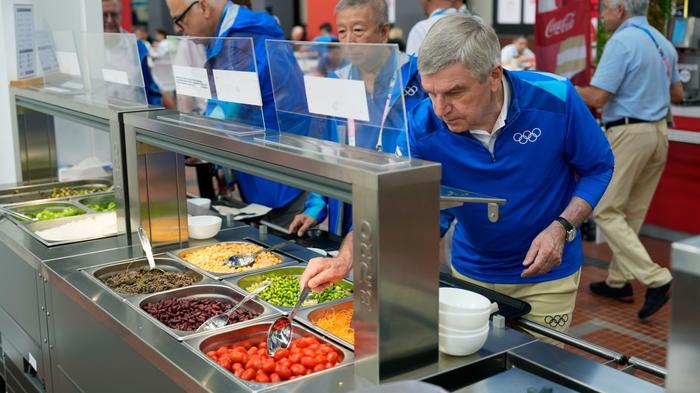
column 59, row 61
column 348, row 94
column 217, row 84
column 114, row 75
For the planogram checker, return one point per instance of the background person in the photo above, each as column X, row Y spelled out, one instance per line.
column 635, row 79
column 434, row 10
column 517, row 56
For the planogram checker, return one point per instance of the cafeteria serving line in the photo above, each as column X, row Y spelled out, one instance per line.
column 117, row 274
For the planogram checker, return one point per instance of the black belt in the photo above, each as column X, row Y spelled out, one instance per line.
column 626, row 120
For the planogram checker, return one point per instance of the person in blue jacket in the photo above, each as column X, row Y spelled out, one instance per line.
column 366, row 22
column 222, row 18
column 111, row 15
column 524, row 136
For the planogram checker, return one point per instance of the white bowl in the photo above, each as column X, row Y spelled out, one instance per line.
column 203, row 227
column 198, row 206
column 460, row 300
column 464, row 321
column 462, row 345
column 460, row 332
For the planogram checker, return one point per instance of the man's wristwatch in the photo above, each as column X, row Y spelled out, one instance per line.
column 569, row 228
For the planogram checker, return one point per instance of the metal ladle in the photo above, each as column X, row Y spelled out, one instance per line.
column 146, row 245
column 242, row 260
column 280, row 333
column 222, row 319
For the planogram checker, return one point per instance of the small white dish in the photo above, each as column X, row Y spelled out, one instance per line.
column 460, row 300
column 464, row 321
column 464, row 344
column 203, row 227
column 198, row 206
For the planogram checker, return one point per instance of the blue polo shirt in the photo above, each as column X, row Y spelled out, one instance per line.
column 549, row 150
column 632, row 70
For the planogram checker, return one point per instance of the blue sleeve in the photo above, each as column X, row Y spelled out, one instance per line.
column 446, row 218
column 316, row 206
column 153, row 94
column 612, row 67
column 587, row 150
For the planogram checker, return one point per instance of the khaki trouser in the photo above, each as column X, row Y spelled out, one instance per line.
column 552, row 302
column 640, row 155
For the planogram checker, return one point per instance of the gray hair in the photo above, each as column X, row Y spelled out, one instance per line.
column 633, row 7
column 462, row 39
column 381, row 12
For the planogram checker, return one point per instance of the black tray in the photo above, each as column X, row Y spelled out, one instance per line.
column 510, row 308
column 314, row 238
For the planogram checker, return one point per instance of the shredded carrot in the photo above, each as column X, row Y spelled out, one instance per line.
column 338, row 323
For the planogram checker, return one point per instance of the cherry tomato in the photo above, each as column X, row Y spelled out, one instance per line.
column 309, row 371
column 298, row 369
column 308, row 362
column 324, row 349
column 284, row 372
column 248, row 374
column 240, row 348
column 262, row 345
column 285, row 363
column 252, row 351
column 320, row 358
column 211, row 354
column 281, row 353
column 295, row 357
column 304, row 342
column 329, row 365
column 309, row 352
column 268, row 365
column 274, row 377
column 255, row 362
column 262, row 378
column 312, row 340
column 237, row 366
column 226, row 363
column 238, row 357
column 238, row 373
column 319, row 367
column 222, row 351
column 332, row 357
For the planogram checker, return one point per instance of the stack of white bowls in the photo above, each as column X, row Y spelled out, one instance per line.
column 464, row 321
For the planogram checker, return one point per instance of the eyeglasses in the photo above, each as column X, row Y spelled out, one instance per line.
column 178, row 19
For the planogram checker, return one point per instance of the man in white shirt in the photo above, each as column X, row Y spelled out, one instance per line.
column 434, row 9
column 517, row 56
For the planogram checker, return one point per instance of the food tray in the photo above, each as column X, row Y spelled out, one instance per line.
column 94, row 199
column 310, row 314
column 42, row 191
column 32, row 227
column 38, row 206
column 98, row 273
column 254, row 333
column 245, row 281
column 209, row 291
column 286, row 261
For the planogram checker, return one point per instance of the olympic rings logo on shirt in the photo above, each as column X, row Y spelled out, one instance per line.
column 411, row 90
column 527, row 136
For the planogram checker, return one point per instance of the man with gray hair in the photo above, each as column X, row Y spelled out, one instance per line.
column 524, row 136
column 635, row 79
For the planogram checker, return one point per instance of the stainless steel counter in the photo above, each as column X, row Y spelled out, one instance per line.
column 100, row 342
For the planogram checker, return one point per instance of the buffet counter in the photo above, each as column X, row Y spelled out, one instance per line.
column 98, row 341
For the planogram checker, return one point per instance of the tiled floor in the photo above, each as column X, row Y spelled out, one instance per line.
column 615, row 325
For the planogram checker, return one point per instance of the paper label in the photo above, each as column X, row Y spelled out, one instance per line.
column 241, row 87
column 115, row 76
column 24, row 40
column 191, row 81
column 68, row 63
column 47, row 51
column 336, row 97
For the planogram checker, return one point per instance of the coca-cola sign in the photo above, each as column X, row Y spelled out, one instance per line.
column 560, row 26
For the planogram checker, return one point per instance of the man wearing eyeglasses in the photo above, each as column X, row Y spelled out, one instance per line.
column 222, row 18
